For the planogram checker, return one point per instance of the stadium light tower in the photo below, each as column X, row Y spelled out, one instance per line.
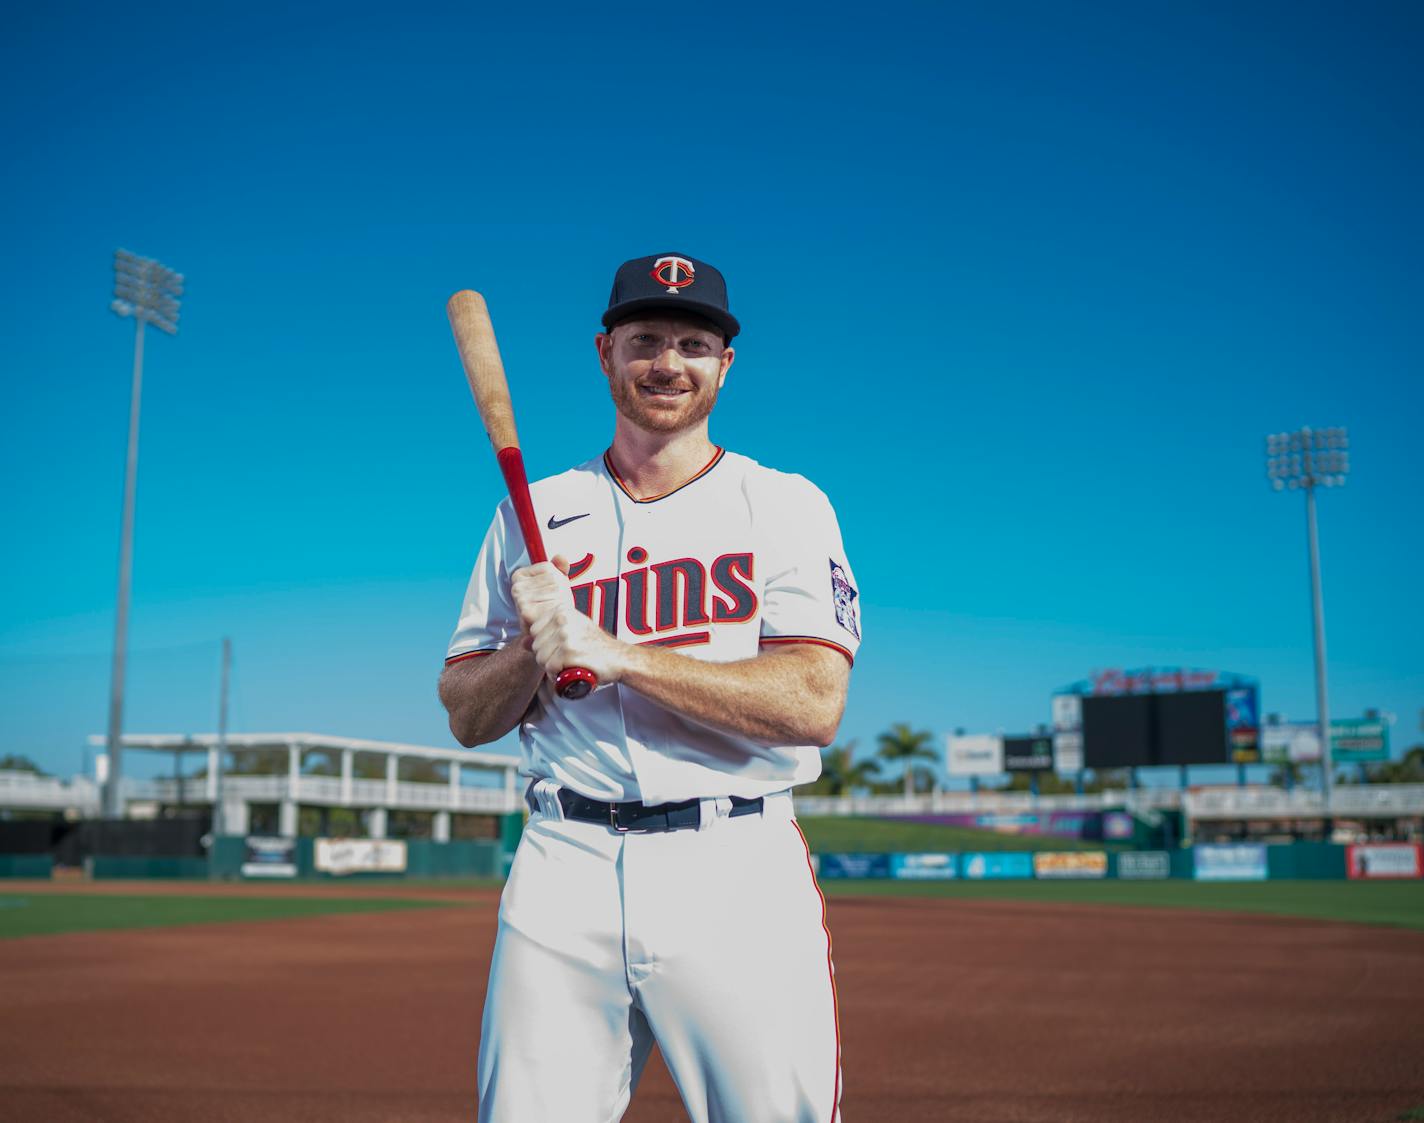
column 149, row 293
column 1305, row 460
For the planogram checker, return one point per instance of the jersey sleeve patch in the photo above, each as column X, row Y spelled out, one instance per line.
column 843, row 594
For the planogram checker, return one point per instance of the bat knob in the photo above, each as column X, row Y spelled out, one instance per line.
column 574, row 683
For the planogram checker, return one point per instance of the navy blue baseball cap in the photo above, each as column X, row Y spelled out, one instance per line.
column 670, row 282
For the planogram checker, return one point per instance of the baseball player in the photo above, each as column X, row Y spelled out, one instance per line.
column 662, row 891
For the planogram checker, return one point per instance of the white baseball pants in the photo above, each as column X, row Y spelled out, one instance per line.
column 711, row 942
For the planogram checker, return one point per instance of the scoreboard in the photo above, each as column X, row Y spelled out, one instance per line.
column 1145, row 730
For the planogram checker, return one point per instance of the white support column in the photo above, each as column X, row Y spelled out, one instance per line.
column 392, row 770
column 287, row 814
column 376, row 822
column 454, row 783
column 346, row 773
column 440, row 827
column 213, row 766
column 235, row 816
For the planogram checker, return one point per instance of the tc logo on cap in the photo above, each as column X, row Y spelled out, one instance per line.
column 675, row 272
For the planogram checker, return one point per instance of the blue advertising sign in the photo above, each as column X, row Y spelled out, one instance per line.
column 1117, row 825
column 1243, row 724
column 854, row 865
column 1234, row 861
column 924, row 867
column 997, row 864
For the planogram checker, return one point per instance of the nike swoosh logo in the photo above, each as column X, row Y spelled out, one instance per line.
column 554, row 523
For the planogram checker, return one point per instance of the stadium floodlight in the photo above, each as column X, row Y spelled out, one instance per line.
column 148, row 292
column 1303, row 461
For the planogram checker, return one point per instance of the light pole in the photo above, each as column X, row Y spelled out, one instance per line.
column 149, row 293
column 1307, row 459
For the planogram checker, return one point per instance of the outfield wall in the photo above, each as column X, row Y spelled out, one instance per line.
column 1216, row 862
column 260, row 858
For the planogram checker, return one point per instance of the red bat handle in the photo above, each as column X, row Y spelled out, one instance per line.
column 572, row 683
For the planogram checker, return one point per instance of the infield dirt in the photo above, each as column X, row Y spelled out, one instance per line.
column 981, row 1011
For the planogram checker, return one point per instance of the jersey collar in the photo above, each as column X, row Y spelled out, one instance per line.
column 608, row 463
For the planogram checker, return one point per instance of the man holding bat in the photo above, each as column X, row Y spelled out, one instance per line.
column 662, row 891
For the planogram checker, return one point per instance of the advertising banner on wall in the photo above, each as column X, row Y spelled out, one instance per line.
column 855, row 865
column 1290, row 742
column 976, row 755
column 997, row 864
column 269, row 857
column 1028, row 754
column 1068, row 751
column 1117, row 825
column 1070, row 863
column 924, row 867
column 1230, row 861
column 360, row 855
column 1144, row 865
column 1357, row 740
column 1385, row 859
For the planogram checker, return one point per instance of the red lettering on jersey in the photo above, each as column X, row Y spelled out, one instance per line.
column 578, row 568
column 636, row 612
column 743, row 601
column 607, row 602
column 681, row 582
column 681, row 594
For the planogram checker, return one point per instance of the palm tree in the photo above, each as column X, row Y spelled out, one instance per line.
column 900, row 743
column 840, row 775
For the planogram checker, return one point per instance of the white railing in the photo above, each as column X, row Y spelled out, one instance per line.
column 24, row 791
column 327, row 791
column 1364, row 800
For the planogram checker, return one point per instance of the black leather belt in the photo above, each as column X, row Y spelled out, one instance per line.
column 642, row 818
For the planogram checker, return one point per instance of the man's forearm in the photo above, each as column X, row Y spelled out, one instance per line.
column 791, row 696
column 487, row 695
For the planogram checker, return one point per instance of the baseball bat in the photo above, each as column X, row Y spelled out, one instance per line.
column 484, row 371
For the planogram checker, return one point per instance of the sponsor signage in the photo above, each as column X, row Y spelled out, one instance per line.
column 1068, row 750
column 924, row 867
column 977, row 755
column 1067, row 712
column 1384, row 859
column 269, row 857
column 1144, row 865
column 1290, row 742
column 1352, row 741
column 855, row 865
column 997, row 864
column 1070, row 863
column 1360, row 739
column 343, row 856
column 1028, row 754
column 1153, row 680
column 1233, row 861
column 1242, row 725
column 1117, row 825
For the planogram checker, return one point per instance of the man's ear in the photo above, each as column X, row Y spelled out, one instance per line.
column 727, row 356
column 603, row 343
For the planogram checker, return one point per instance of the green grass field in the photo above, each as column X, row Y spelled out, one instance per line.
column 835, row 834
column 1396, row 903
column 47, row 914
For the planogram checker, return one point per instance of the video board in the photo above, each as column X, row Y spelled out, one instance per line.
column 1147, row 730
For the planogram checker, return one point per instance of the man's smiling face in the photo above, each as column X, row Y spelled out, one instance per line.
column 664, row 372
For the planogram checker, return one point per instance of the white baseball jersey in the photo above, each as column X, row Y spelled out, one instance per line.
column 737, row 558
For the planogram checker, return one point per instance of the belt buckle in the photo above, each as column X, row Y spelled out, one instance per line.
column 613, row 820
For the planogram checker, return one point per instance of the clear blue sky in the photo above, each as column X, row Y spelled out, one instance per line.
column 1023, row 290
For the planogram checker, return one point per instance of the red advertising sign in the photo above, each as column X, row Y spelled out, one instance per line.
column 1385, row 859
